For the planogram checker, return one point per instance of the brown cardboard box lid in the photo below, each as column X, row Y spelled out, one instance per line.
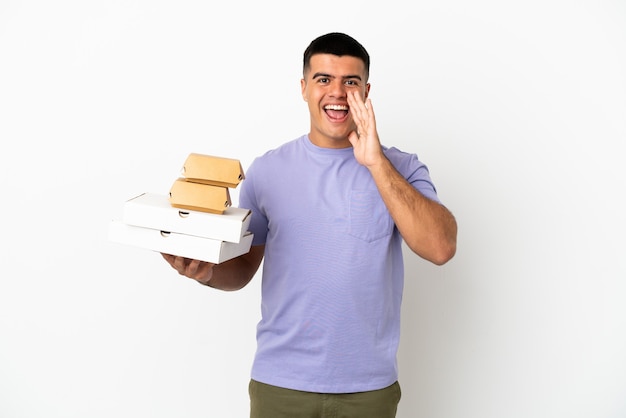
column 209, row 169
column 185, row 194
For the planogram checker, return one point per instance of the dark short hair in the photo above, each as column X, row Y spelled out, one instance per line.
column 336, row 43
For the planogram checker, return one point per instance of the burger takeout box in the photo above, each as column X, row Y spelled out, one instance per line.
column 186, row 194
column 208, row 169
column 183, row 245
column 152, row 210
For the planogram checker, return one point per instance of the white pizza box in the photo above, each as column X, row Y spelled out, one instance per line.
column 190, row 246
column 153, row 210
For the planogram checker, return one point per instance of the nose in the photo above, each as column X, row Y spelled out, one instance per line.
column 337, row 89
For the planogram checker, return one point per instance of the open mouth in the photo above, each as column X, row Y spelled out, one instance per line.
column 337, row 112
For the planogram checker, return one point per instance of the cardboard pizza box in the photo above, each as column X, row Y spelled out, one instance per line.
column 153, row 210
column 190, row 246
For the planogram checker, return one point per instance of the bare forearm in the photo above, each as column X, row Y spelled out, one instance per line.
column 428, row 228
column 236, row 273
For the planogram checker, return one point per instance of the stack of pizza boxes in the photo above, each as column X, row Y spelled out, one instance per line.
column 196, row 219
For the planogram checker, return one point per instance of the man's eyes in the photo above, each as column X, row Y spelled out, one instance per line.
column 352, row 83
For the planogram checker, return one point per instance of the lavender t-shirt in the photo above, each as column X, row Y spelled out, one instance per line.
column 333, row 272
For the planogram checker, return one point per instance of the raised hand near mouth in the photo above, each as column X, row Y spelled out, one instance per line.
column 365, row 141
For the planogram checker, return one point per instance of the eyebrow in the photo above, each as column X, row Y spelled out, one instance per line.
column 317, row 75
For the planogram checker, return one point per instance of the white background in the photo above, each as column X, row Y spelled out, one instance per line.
column 518, row 108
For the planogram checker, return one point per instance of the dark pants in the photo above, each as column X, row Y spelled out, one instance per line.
column 268, row 401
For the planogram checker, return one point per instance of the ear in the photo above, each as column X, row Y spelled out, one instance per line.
column 303, row 89
column 367, row 90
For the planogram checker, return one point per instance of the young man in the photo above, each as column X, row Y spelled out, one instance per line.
column 330, row 210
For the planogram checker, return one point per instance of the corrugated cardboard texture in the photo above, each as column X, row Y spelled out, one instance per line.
column 208, row 169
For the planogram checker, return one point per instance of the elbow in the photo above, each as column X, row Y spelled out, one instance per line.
column 231, row 285
column 438, row 253
column 444, row 254
column 445, row 245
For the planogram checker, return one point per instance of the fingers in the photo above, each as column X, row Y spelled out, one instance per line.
column 194, row 269
column 362, row 112
column 357, row 107
column 169, row 258
column 180, row 264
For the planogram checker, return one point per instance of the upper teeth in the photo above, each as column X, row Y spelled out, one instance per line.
column 336, row 107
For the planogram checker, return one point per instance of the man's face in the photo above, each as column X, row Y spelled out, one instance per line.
column 324, row 87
